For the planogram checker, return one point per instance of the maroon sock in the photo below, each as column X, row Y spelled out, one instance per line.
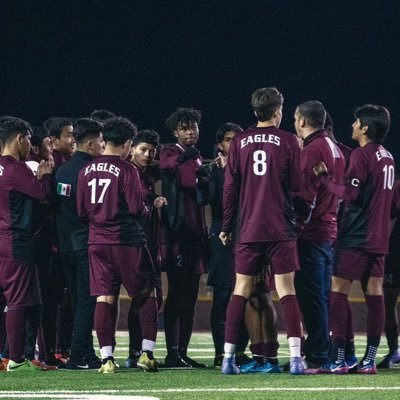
column 376, row 315
column 350, row 327
column 338, row 317
column 15, row 324
column 256, row 349
column 234, row 318
column 149, row 318
column 270, row 349
column 291, row 315
column 104, row 323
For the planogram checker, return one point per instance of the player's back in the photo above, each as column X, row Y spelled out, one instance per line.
column 366, row 220
column 266, row 162
column 110, row 195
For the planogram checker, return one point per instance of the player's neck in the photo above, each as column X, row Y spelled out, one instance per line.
column 265, row 124
column 364, row 141
column 9, row 151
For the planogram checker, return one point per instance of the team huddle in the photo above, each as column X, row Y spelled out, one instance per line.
column 300, row 214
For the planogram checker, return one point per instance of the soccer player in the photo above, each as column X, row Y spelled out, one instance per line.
column 73, row 233
column 186, row 234
column 144, row 149
column 318, row 232
column 210, row 183
column 263, row 169
column 18, row 189
column 110, row 196
column 364, row 233
column 61, row 132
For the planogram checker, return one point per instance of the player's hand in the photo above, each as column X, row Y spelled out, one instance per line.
column 225, row 238
column 221, row 160
column 320, row 168
column 160, row 202
column 45, row 167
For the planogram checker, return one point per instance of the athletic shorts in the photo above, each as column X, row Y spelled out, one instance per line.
column 19, row 284
column 356, row 264
column 251, row 258
column 113, row 265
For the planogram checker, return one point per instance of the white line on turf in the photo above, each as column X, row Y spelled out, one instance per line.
column 194, row 390
column 79, row 396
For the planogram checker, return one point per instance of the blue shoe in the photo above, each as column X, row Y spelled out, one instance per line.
column 339, row 367
column 367, row 368
column 266, row 368
column 229, row 367
column 131, row 362
column 297, row 366
column 390, row 360
column 246, row 368
column 352, row 362
column 325, row 368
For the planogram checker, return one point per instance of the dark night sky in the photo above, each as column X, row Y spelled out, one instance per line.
column 142, row 59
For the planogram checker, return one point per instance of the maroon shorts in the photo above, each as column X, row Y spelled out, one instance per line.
column 111, row 265
column 19, row 283
column 251, row 258
column 356, row 264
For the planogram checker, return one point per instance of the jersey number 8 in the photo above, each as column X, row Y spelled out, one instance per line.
column 260, row 162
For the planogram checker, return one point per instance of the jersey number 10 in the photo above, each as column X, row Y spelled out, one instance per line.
column 105, row 183
column 388, row 171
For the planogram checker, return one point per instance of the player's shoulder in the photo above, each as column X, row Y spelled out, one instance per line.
column 169, row 148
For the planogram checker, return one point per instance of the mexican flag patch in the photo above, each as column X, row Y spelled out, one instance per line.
column 63, row 189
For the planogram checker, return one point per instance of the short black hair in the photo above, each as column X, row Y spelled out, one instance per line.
column 147, row 136
column 39, row 133
column 183, row 116
column 377, row 118
column 118, row 130
column 226, row 127
column 86, row 128
column 265, row 101
column 101, row 115
column 56, row 124
column 313, row 112
column 10, row 127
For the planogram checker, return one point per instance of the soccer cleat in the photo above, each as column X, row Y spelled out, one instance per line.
column 367, row 368
column 108, row 368
column 82, row 364
column 218, row 361
column 175, row 361
column 339, row 367
column 246, row 368
column 264, row 368
column 131, row 362
column 297, row 366
column 325, row 368
column 193, row 363
column 390, row 360
column 352, row 362
column 241, row 359
column 146, row 364
column 24, row 366
column 229, row 367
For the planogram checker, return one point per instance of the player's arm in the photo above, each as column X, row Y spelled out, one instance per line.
column 356, row 175
column 80, row 195
column 37, row 187
column 231, row 192
column 133, row 191
column 169, row 158
column 205, row 186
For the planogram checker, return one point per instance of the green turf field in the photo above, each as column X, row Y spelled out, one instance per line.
column 199, row 384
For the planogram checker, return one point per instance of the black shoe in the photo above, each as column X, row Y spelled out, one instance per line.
column 175, row 361
column 242, row 359
column 193, row 363
column 94, row 362
column 77, row 364
column 218, row 361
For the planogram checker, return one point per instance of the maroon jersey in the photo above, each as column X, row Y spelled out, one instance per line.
column 109, row 194
column 18, row 189
column 368, row 195
column 346, row 151
column 322, row 223
column 263, row 169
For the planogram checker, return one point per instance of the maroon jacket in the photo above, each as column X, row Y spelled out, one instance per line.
column 18, row 189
